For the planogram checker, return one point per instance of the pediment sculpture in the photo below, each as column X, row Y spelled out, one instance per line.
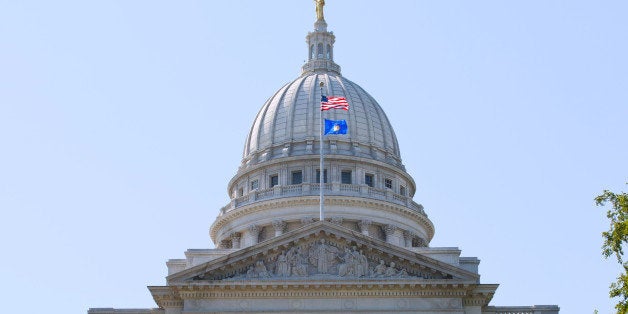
column 321, row 258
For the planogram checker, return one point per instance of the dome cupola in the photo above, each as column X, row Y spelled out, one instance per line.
column 287, row 125
column 277, row 186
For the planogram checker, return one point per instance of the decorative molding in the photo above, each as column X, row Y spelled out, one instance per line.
column 298, row 201
column 325, row 256
column 336, row 220
column 254, row 229
column 307, row 220
column 320, row 290
column 166, row 297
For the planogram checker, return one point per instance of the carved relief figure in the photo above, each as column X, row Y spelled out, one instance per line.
column 297, row 262
column 323, row 256
column 250, row 273
column 380, row 270
column 348, row 267
column 282, row 267
column 391, row 271
column 260, row 270
column 363, row 263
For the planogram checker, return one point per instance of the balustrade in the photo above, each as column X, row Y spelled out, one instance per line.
column 314, row 189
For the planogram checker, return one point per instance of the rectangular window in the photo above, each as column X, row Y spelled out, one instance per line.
column 402, row 190
column 274, row 180
column 240, row 192
column 318, row 176
column 345, row 177
column 297, row 177
column 368, row 179
column 254, row 185
column 388, row 183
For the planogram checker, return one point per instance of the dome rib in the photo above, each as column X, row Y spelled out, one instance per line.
column 288, row 124
column 369, row 127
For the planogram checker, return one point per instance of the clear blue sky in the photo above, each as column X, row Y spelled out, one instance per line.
column 121, row 123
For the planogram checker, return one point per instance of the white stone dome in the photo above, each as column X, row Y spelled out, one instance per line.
column 288, row 124
column 281, row 180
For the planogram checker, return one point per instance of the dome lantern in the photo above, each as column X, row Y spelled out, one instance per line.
column 320, row 45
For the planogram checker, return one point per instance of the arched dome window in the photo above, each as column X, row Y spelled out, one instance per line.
column 319, row 51
column 311, row 51
column 328, row 52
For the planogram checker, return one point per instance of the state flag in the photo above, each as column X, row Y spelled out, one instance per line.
column 335, row 127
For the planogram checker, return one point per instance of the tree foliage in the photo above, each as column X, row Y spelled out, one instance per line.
column 614, row 240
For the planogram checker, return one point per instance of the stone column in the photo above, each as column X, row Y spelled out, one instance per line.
column 364, row 226
column 279, row 226
column 252, row 235
column 421, row 242
column 235, row 240
column 394, row 235
column 334, row 178
column 407, row 238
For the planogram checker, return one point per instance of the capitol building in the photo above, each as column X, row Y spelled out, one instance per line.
column 365, row 249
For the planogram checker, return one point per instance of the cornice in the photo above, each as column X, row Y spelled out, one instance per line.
column 481, row 295
column 282, row 289
column 313, row 200
column 173, row 295
column 166, row 296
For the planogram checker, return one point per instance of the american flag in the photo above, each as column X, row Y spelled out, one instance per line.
column 333, row 102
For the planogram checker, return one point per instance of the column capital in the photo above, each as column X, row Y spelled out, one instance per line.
column 364, row 226
column 390, row 229
column 254, row 228
column 279, row 225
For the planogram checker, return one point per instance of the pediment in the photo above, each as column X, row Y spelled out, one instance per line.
column 323, row 251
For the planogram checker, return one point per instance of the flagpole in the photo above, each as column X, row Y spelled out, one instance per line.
column 322, row 170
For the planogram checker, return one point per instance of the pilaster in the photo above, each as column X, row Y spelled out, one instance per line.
column 235, row 240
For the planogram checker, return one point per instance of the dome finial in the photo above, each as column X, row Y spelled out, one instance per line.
column 319, row 10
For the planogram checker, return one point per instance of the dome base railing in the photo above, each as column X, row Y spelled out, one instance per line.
column 331, row 189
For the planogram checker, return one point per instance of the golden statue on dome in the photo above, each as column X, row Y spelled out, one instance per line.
column 319, row 9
